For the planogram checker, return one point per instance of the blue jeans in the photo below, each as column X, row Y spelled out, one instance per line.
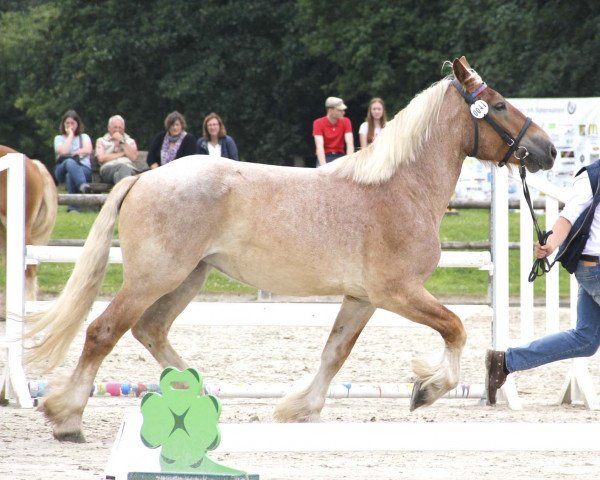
column 72, row 174
column 330, row 157
column 582, row 341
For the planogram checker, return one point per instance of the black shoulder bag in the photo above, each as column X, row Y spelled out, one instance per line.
column 62, row 158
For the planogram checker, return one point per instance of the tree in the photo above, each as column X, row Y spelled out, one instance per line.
column 152, row 57
column 266, row 67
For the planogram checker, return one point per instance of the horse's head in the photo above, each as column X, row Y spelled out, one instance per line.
column 502, row 134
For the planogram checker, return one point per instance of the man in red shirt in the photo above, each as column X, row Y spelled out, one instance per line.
column 332, row 132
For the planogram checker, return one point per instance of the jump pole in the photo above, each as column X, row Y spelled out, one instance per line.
column 14, row 382
column 256, row 390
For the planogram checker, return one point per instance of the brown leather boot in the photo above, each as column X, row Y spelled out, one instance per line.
column 495, row 374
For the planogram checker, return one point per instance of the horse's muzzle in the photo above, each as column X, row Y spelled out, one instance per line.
column 542, row 154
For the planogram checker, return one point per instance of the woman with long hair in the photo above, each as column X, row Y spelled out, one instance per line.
column 73, row 149
column 376, row 120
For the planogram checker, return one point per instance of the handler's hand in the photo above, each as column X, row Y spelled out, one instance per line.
column 542, row 251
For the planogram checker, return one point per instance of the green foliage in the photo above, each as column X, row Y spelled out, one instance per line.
column 396, row 49
column 146, row 59
column 267, row 66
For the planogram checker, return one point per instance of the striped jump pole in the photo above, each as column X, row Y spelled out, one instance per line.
column 257, row 390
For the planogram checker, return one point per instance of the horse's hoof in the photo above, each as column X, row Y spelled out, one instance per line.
column 418, row 396
column 74, row 437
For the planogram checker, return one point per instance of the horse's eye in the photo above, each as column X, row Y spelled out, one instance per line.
column 500, row 106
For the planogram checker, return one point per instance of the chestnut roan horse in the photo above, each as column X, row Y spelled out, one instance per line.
column 365, row 227
column 41, row 204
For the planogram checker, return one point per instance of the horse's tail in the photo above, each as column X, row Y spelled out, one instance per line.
column 65, row 317
column 46, row 217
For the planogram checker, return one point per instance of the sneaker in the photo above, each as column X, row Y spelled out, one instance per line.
column 495, row 376
column 85, row 188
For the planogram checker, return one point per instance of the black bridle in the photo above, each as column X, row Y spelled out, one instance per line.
column 478, row 112
column 513, row 143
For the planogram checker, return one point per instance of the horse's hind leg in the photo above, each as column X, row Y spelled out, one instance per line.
column 31, row 283
column 152, row 329
column 68, row 398
column 432, row 381
column 306, row 405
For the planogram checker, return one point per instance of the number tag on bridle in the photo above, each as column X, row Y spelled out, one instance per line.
column 479, row 109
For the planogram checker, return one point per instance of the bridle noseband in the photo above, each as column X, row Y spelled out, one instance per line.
column 480, row 112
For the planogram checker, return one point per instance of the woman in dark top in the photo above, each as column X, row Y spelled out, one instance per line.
column 215, row 141
column 171, row 144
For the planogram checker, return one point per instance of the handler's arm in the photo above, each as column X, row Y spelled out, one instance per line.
column 560, row 230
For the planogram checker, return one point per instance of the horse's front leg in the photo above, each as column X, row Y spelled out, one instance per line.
column 306, row 404
column 433, row 381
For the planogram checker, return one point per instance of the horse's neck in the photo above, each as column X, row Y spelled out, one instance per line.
column 434, row 174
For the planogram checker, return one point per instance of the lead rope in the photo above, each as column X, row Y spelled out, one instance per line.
column 540, row 265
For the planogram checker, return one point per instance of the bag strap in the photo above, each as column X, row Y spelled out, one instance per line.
column 596, row 200
column 591, row 209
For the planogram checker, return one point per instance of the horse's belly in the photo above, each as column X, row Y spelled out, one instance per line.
column 291, row 277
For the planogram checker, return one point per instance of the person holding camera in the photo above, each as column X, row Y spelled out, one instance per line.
column 73, row 149
column 116, row 152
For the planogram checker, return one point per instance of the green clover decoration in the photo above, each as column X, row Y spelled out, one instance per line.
column 184, row 422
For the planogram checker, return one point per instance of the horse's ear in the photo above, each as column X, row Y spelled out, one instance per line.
column 465, row 74
column 461, row 71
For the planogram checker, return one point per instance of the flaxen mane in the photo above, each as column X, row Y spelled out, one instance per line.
column 399, row 142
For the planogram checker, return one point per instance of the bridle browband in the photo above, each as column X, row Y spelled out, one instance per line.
column 513, row 143
column 540, row 265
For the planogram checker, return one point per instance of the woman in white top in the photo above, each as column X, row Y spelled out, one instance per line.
column 376, row 120
column 215, row 141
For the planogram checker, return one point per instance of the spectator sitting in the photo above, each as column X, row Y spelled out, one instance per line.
column 73, row 149
column 215, row 141
column 116, row 151
column 376, row 120
column 171, row 144
column 333, row 132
